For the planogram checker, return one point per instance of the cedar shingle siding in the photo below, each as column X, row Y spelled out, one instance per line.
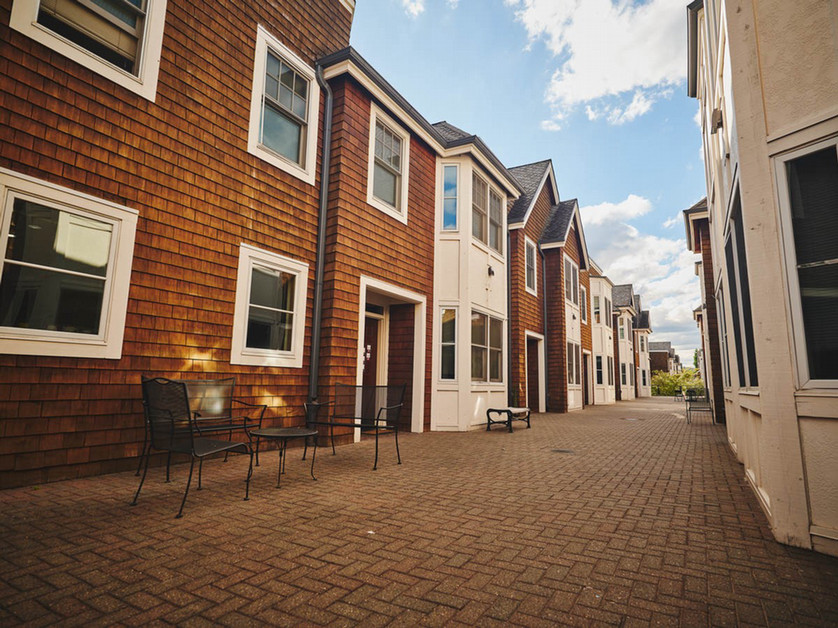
column 182, row 162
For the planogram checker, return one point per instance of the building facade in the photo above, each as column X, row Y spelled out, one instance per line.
column 765, row 78
column 602, row 335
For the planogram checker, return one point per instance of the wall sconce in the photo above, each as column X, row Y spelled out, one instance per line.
column 491, row 272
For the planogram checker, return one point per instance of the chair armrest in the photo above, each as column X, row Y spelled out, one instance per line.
column 383, row 408
column 262, row 406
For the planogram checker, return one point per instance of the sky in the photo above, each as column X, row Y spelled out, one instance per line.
column 598, row 87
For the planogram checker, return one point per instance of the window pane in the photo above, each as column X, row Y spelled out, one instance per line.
column 272, row 288
column 496, row 333
column 569, row 363
column 495, row 366
column 450, row 181
column 32, row 298
column 269, row 329
column 384, row 184
column 813, row 188
column 819, row 298
column 448, row 360
column 599, row 369
column 449, row 325
column 281, row 134
column 479, row 191
column 478, row 364
column 449, row 184
column 478, row 329
column 478, row 225
column 449, row 214
column 58, row 239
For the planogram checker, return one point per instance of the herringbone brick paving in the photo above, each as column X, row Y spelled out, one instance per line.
column 646, row 520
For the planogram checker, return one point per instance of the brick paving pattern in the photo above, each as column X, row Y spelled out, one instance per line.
column 645, row 521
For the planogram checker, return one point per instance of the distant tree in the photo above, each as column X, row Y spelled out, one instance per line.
column 667, row 384
column 695, row 358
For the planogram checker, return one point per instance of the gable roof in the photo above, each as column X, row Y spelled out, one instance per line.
column 449, row 141
column 562, row 217
column 621, row 296
column 450, row 132
column 531, row 177
column 642, row 321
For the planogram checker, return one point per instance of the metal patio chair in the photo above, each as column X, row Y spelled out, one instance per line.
column 171, row 427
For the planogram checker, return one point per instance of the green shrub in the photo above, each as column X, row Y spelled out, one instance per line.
column 667, row 384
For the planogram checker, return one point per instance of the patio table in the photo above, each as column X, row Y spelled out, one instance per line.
column 283, row 435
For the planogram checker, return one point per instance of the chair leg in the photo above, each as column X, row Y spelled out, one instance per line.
column 398, row 455
column 332, row 435
column 249, row 475
column 313, row 455
column 142, row 480
column 168, row 465
column 375, row 465
column 258, row 440
column 142, row 453
column 200, row 472
column 186, row 492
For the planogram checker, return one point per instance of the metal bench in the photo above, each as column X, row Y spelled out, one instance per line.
column 511, row 414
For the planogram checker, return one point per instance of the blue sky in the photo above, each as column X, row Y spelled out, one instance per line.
column 598, row 87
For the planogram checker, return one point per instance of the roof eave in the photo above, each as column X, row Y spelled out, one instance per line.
column 692, row 46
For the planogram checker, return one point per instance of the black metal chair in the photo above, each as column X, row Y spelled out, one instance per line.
column 697, row 401
column 171, row 427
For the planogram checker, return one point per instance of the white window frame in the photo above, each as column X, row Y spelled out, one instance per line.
column 442, row 344
column 250, row 256
column 486, row 217
column 456, row 198
column 623, row 370
column 108, row 342
column 599, row 370
column 790, row 256
column 529, row 245
column 488, row 348
column 573, row 283
column 583, row 303
column 574, row 364
column 400, row 212
column 306, row 171
column 24, row 19
column 610, row 370
column 596, row 308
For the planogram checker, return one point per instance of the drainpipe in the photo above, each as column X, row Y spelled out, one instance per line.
column 544, row 317
column 317, row 315
column 508, row 318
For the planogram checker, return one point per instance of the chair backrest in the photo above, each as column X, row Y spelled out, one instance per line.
column 166, row 408
column 211, row 398
column 365, row 402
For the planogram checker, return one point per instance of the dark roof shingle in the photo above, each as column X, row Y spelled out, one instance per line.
column 530, row 177
column 621, row 295
column 559, row 222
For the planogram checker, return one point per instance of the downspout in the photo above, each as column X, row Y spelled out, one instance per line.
column 509, row 318
column 317, row 315
column 544, row 317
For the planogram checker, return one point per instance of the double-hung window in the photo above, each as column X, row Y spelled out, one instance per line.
column 388, row 166
column 119, row 39
column 486, row 348
column 610, row 370
column 608, row 320
column 723, row 341
column 284, row 108
column 450, row 198
column 64, row 271
column 621, row 324
column 571, row 281
column 448, row 344
column 623, row 373
column 486, row 213
column 596, row 309
column 530, row 255
column 574, row 363
column 599, row 369
column 269, row 319
column 740, row 297
column 809, row 202
column 583, row 303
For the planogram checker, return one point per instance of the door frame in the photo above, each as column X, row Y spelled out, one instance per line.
column 542, row 380
column 400, row 295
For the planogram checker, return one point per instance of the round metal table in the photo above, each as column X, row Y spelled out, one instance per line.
column 283, row 435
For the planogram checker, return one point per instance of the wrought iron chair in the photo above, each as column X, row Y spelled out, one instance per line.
column 171, row 427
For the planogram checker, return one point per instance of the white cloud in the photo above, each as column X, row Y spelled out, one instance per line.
column 550, row 125
column 453, row 4
column 617, row 56
column 414, row 7
column 632, row 207
column 671, row 222
column 661, row 270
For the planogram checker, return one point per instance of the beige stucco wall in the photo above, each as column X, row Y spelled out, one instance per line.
column 780, row 67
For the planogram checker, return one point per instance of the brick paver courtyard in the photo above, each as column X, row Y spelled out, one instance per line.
column 613, row 515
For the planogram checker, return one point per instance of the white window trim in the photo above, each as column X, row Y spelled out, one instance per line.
column 503, row 348
column 241, row 354
column 306, row 171
column 108, row 343
column 455, row 379
column 575, row 266
column 790, row 258
column 399, row 214
column 527, row 245
column 583, row 303
column 442, row 198
column 24, row 18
